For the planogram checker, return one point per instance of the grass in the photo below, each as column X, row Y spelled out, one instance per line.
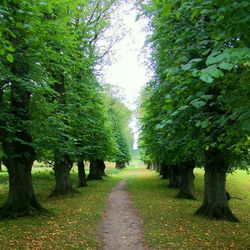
column 75, row 218
column 170, row 224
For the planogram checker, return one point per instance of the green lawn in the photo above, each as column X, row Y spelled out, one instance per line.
column 73, row 224
column 170, row 223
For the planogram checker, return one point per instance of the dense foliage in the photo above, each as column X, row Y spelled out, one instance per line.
column 120, row 117
column 52, row 106
column 195, row 111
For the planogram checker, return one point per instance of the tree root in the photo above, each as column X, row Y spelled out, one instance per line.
column 185, row 195
column 218, row 213
column 10, row 211
column 63, row 192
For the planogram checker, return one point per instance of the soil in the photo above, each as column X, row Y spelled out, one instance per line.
column 121, row 228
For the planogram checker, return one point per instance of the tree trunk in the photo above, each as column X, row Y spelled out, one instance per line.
column 187, row 181
column 21, row 199
column 158, row 167
column 148, row 165
column 164, row 171
column 120, row 165
column 62, row 167
column 81, row 174
column 215, row 203
column 154, row 165
column 174, row 177
column 101, row 166
column 94, row 171
column 1, row 167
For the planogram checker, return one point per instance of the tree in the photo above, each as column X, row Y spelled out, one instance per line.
column 202, row 117
column 18, row 65
column 120, row 116
column 48, row 56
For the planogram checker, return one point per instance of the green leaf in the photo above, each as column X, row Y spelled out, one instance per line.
column 214, row 72
column 205, row 77
column 195, row 13
column 2, row 52
column 207, row 97
column 186, row 67
column 11, row 49
column 226, row 66
column 159, row 126
column 246, row 126
column 205, row 124
column 202, row 124
column 198, row 104
column 168, row 107
column 195, row 60
column 215, row 57
column 10, row 58
column 166, row 10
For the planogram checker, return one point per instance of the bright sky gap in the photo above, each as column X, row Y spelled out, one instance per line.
column 126, row 68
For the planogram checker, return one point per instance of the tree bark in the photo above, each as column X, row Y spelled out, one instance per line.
column 215, row 204
column 154, row 165
column 95, row 173
column 148, row 165
column 1, row 167
column 174, row 176
column 101, row 165
column 120, row 165
column 187, row 181
column 164, row 171
column 81, row 174
column 21, row 199
column 62, row 167
column 157, row 167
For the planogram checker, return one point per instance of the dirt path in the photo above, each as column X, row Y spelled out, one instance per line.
column 121, row 227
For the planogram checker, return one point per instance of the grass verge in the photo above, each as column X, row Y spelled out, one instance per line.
column 170, row 224
column 75, row 220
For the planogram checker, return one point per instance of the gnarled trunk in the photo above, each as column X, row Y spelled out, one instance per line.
column 62, row 167
column 21, row 199
column 81, row 174
column 215, row 203
column 95, row 172
column 174, row 176
column 187, row 181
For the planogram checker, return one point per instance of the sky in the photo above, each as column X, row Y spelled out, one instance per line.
column 127, row 67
